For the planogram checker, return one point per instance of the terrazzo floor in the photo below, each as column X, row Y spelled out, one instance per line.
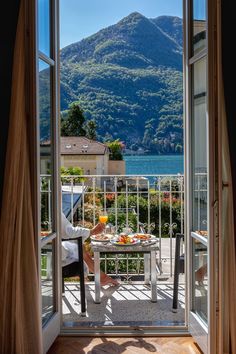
column 129, row 304
column 123, row 305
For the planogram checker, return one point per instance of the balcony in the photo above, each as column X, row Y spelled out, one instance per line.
column 153, row 204
column 130, row 303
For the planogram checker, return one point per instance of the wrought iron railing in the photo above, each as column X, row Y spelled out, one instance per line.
column 153, row 203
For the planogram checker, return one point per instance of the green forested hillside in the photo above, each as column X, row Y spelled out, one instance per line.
column 128, row 78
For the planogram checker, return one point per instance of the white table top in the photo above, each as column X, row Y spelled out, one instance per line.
column 108, row 247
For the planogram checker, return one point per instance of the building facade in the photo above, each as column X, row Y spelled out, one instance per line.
column 91, row 156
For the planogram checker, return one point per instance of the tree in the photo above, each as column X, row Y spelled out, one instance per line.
column 74, row 124
column 71, row 171
column 178, row 148
column 115, row 148
column 149, row 133
column 91, row 129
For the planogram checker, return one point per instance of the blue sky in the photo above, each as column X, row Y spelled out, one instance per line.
column 81, row 18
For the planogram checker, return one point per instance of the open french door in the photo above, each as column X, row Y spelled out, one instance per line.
column 200, row 167
column 47, row 32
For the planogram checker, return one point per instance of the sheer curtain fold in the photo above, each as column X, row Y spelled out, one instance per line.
column 20, row 320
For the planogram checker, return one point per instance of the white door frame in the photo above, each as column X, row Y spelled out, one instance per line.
column 204, row 335
column 52, row 327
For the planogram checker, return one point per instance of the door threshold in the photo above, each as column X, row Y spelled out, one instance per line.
column 136, row 331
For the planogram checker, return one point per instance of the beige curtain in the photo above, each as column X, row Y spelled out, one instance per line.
column 229, row 255
column 20, row 322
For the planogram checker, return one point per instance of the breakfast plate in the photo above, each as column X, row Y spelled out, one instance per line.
column 124, row 240
column 116, row 242
column 101, row 237
column 144, row 237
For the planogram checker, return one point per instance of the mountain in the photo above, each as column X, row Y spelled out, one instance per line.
column 172, row 26
column 128, row 78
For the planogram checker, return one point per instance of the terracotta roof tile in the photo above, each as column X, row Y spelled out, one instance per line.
column 73, row 145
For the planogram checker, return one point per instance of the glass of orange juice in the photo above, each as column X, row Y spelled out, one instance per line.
column 103, row 217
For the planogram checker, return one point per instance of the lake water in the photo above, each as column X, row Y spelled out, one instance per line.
column 154, row 164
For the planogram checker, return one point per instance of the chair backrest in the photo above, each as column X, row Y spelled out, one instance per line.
column 70, row 271
column 179, row 268
column 179, row 258
column 80, row 246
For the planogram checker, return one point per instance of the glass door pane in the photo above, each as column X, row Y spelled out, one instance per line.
column 199, row 148
column 46, row 153
column 198, row 25
column 46, row 192
column 200, row 281
column 44, row 32
column 47, row 282
column 199, row 215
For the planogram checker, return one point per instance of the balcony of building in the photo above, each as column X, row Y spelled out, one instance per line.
column 151, row 204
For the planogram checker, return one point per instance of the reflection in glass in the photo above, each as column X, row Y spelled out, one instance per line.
column 47, row 282
column 199, row 25
column 199, row 151
column 200, row 283
column 46, row 164
column 44, row 26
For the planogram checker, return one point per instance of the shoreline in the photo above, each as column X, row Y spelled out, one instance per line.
column 153, row 154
